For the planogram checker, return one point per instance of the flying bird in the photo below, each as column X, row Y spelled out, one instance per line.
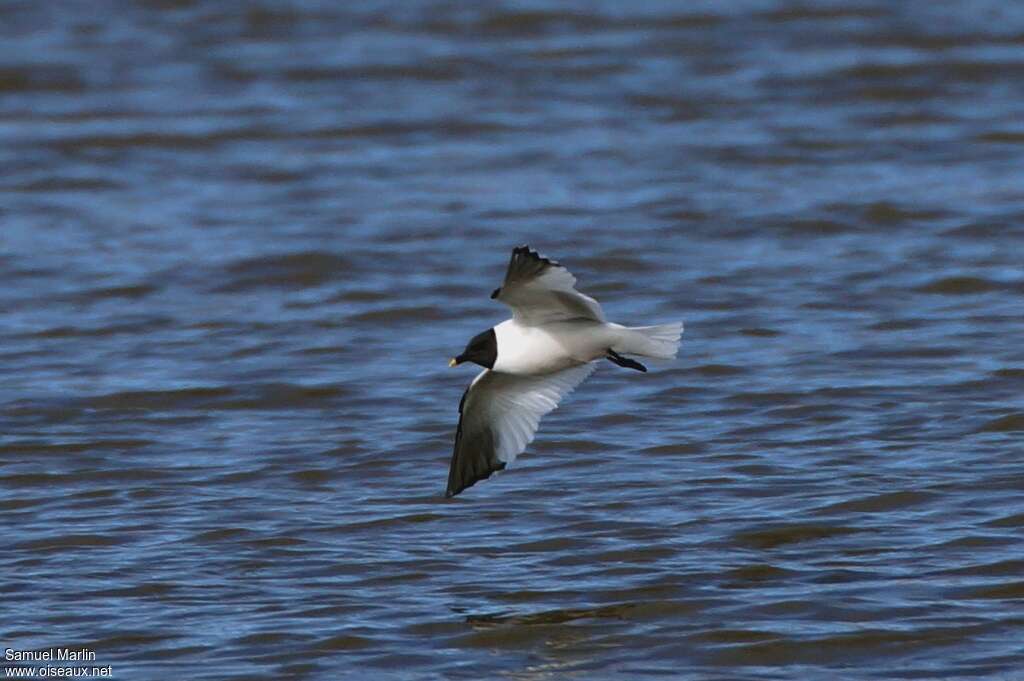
column 552, row 343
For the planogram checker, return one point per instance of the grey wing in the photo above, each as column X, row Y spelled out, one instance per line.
column 499, row 416
column 539, row 290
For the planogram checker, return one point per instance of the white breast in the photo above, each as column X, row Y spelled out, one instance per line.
column 552, row 347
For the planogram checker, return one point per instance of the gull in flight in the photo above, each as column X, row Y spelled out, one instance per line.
column 551, row 344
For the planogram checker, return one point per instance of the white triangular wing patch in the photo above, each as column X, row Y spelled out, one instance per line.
column 519, row 402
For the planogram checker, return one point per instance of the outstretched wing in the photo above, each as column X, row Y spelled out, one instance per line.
column 498, row 417
column 540, row 290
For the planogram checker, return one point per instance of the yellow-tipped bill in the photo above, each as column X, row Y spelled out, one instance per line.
column 452, row 362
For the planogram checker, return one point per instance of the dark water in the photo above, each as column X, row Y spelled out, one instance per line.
column 237, row 247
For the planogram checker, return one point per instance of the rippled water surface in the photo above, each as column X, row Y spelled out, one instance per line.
column 237, row 247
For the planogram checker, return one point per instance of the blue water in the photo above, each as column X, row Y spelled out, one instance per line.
column 238, row 247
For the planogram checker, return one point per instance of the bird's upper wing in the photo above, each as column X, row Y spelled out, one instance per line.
column 498, row 417
column 540, row 290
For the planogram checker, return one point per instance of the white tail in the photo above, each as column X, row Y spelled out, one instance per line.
column 659, row 342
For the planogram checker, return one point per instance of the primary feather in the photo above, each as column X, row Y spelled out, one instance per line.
column 540, row 291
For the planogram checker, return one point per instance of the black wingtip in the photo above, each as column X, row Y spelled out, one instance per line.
column 495, row 293
column 476, row 476
column 525, row 250
column 471, row 462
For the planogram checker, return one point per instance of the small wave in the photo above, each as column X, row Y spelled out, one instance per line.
column 524, row 23
column 957, row 286
column 850, row 647
column 879, row 503
column 266, row 638
column 733, row 636
column 250, row 396
column 886, row 214
column 144, row 590
column 67, row 541
column 174, row 141
column 1015, row 520
column 612, row 263
column 718, row 370
column 810, row 12
column 1000, row 568
column 818, row 226
column 131, row 291
column 766, row 398
column 775, row 536
column 125, row 328
column 62, row 448
column 68, row 184
column 293, row 270
column 222, row 534
column 1005, row 424
column 753, row 576
column 343, row 642
column 128, row 641
column 312, row 476
column 40, row 77
column 899, row 324
column 401, row 315
column 1012, row 591
column 1002, row 137
column 680, row 448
